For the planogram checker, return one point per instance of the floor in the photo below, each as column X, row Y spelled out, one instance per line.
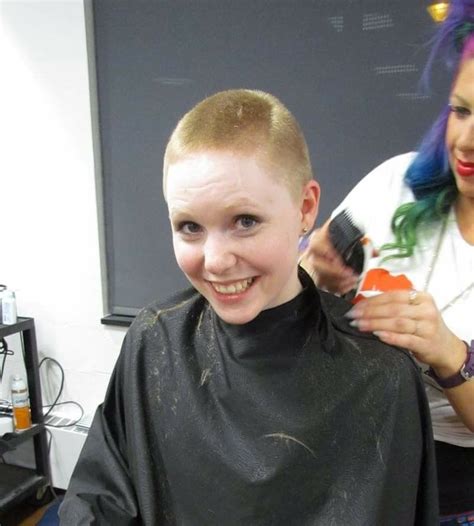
column 25, row 514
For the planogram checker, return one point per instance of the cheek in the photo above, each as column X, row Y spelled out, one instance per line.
column 450, row 134
column 279, row 249
column 187, row 256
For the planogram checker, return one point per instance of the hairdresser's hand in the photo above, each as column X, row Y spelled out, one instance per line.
column 325, row 265
column 411, row 320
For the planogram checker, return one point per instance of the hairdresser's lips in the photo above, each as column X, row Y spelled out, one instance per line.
column 464, row 169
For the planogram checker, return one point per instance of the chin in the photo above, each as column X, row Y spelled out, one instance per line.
column 235, row 320
column 239, row 317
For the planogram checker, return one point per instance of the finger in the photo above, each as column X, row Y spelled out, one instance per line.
column 320, row 244
column 348, row 284
column 329, row 269
column 400, row 325
column 335, row 270
column 369, row 311
column 401, row 297
column 412, row 343
column 337, row 287
column 322, row 248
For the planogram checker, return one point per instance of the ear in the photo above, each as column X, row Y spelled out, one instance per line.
column 309, row 204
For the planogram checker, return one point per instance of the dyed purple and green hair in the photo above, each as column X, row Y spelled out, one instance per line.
column 429, row 176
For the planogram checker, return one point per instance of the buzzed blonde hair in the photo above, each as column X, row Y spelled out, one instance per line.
column 247, row 122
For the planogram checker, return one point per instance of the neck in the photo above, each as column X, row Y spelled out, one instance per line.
column 464, row 208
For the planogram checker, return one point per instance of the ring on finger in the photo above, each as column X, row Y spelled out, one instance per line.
column 412, row 295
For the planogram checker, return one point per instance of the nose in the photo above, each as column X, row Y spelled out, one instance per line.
column 465, row 140
column 219, row 254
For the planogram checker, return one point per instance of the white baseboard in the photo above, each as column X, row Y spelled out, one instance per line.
column 66, row 445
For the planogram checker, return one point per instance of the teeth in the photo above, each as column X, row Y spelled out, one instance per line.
column 238, row 286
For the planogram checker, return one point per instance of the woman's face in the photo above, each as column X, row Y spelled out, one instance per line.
column 460, row 129
column 235, row 231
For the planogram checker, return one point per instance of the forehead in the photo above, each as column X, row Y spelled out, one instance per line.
column 464, row 82
column 222, row 176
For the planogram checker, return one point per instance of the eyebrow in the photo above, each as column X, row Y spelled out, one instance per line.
column 178, row 213
column 461, row 100
column 241, row 203
column 236, row 205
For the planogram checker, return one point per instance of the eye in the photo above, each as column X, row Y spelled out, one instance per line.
column 246, row 222
column 189, row 228
column 461, row 112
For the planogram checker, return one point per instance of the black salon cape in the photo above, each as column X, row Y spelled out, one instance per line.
column 291, row 419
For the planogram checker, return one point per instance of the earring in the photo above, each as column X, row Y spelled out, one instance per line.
column 305, row 230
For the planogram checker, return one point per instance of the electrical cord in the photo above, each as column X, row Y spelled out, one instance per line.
column 56, row 403
column 6, row 352
column 60, row 392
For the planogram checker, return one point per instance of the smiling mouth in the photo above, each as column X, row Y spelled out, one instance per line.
column 233, row 288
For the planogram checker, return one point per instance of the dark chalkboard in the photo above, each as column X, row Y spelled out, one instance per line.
column 349, row 70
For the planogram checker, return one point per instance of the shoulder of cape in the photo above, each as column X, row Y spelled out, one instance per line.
column 336, row 307
column 180, row 304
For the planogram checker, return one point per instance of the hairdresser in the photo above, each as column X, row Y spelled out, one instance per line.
column 422, row 224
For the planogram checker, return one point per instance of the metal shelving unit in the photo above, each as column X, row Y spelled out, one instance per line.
column 18, row 483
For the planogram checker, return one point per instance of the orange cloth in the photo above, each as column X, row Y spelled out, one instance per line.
column 380, row 280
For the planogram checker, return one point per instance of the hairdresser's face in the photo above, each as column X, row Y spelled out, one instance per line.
column 235, row 232
column 460, row 130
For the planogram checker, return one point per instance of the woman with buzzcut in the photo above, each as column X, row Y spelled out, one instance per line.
column 248, row 399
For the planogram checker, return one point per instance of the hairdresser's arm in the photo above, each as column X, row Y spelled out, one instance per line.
column 325, row 265
column 419, row 327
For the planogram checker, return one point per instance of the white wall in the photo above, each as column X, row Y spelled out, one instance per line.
column 49, row 248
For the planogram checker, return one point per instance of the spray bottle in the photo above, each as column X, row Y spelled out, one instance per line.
column 20, row 404
column 9, row 314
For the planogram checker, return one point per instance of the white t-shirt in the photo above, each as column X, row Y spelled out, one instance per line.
column 371, row 204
